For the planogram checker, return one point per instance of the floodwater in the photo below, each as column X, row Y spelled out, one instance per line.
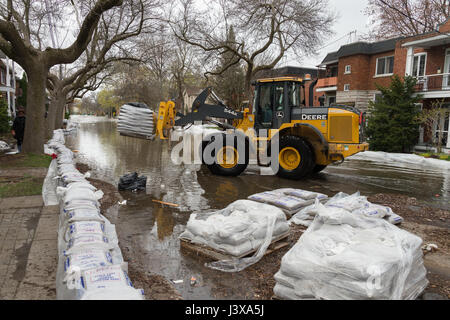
column 155, row 228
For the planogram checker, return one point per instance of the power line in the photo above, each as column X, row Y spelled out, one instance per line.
column 346, row 35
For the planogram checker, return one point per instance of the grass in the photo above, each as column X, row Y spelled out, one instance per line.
column 23, row 186
column 26, row 160
column 441, row 156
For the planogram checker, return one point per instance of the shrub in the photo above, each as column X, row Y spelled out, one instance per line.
column 392, row 124
column 4, row 117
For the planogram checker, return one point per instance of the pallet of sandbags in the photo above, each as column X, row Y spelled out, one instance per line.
column 348, row 255
column 136, row 120
column 242, row 228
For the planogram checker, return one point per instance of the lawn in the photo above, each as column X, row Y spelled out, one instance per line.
column 20, row 186
column 24, row 160
column 441, row 156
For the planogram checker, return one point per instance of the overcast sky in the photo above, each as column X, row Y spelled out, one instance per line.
column 351, row 17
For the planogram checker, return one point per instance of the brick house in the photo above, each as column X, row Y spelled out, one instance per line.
column 349, row 75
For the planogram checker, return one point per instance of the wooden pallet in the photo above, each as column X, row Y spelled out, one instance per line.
column 134, row 135
column 216, row 255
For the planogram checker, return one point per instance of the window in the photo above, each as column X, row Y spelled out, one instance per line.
column 419, row 65
column 264, row 110
column 377, row 97
column 348, row 69
column 295, row 95
column 385, row 66
column 346, row 87
column 2, row 77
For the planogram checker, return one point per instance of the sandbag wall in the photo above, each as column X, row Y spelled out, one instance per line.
column 136, row 119
column 350, row 252
column 90, row 265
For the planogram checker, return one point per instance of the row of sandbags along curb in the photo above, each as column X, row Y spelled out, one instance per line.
column 91, row 265
column 351, row 249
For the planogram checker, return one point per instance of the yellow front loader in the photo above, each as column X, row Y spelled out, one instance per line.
column 307, row 138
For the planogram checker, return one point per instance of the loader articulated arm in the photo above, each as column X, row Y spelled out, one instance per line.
column 201, row 111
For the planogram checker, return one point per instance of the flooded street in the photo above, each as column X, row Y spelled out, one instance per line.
column 154, row 229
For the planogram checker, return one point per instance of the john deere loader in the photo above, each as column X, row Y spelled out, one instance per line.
column 308, row 138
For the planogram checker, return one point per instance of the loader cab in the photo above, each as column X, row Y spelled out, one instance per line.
column 274, row 100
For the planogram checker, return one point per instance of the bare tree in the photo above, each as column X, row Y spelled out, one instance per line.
column 23, row 31
column 113, row 41
column 265, row 30
column 393, row 18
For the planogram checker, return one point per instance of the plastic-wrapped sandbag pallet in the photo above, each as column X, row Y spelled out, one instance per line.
column 90, row 264
column 289, row 200
column 136, row 120
column 242, row 228
column 346, row 255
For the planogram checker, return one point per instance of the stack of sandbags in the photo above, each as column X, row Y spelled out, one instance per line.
column 238, row 229
column 136, row 119
column 90, row 262
column 289, row 200
column 346, row 255
column 353, row 203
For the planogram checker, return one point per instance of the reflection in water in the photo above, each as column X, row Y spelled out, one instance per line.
column 154, row 228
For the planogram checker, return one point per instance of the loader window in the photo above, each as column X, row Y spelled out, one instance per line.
column 279, row 97
column 295, row 95
column 265, row 111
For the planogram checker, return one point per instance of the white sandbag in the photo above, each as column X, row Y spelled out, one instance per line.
column 350, row 203
column 374, row 211
column 394, row 218
column 80, row 194
column 49, row 186
column 75, row 229
column 83, row 215
column 279, row 199
column 4, row 146
column 304, row 194
column 103, row 283
column 80, row 205
column 84, row 242
column 88, row 259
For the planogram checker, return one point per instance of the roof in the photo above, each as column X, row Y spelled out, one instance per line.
column 362, row 47
column 288, row 71
column 331, row 57
column 367, row 48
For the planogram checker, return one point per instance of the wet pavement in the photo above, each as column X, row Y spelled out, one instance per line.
column 153, row 229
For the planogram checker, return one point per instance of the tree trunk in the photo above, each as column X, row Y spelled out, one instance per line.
column 51, row 115
column 34, row 138
column 248, row 87
column 60, row 103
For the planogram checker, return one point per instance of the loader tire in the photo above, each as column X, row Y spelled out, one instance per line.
column 227, row 160
column 318, row 168
column 296, row 159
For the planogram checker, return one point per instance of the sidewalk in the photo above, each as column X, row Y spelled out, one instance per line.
column 28, row 249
